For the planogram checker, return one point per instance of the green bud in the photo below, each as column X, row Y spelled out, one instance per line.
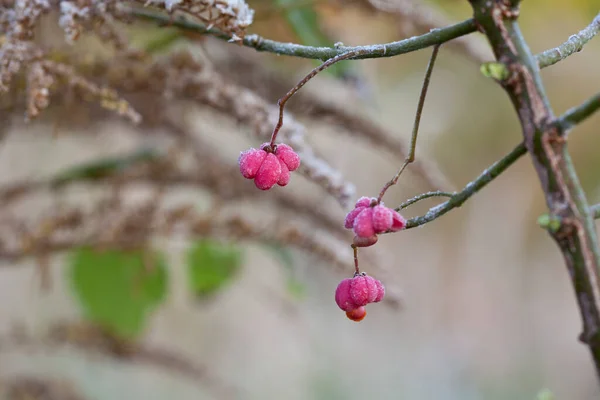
column 550, row 222
column 494, row 70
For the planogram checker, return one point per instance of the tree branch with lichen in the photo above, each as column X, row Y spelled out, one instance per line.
column 457, row 199
column 436, row 36
column 573, row 45
column 546, row 141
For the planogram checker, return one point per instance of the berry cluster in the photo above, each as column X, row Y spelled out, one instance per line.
column 370, row 218
column 269, row 165
column 353, row 294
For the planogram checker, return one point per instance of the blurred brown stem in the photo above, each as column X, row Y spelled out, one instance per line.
column 546, row 143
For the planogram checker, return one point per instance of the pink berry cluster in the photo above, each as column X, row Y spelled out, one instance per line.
column 370, row 218
column 353, row 294
column 269, row 165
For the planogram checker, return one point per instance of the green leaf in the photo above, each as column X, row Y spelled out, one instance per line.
column 305, row 23
column 211, row 265
column 118, row 289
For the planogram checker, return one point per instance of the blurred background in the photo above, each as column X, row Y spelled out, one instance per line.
column 239, row 304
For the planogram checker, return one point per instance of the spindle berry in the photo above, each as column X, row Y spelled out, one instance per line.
column 269, row 165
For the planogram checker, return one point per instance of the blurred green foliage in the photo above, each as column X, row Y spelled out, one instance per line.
column 118, row 289
column 211, row 265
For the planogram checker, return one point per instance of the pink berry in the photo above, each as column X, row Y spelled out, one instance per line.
column 357, row 314
column 268, row 173
column 342, row 295
column 398, row 221
column 363, row 223
column 382, row 218
column 250, row 162
column 364, row 242
column 351, row 216
column 380, row 291
column 286, row 154
column 284, row 178
column 363, row 290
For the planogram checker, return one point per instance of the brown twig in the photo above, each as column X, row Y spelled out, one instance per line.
column 281, row 102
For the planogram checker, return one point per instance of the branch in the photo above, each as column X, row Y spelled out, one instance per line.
column 424, row 196
column 579, row 113
column 435, row 36
column 457, row 199
column 573, row 45
column 546, row 143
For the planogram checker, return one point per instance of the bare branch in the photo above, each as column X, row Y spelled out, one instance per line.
column 457, row 199
column 423, row 196
column 573, row 45
column 435, row 36
column 579, row 113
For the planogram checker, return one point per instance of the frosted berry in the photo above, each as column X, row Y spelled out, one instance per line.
column 268, row 167
column 369, row 218
column 352, row 294
column 358, row 314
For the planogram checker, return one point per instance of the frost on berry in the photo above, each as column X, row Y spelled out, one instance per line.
column 357, row 315
column 288, row 156
column 382, row 218
column 269, row 172
column 363, row 223
column 250, row 162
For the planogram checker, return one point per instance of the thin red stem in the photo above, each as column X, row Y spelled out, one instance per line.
column 281, row 102
column 413, row 139
column 355, row 249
